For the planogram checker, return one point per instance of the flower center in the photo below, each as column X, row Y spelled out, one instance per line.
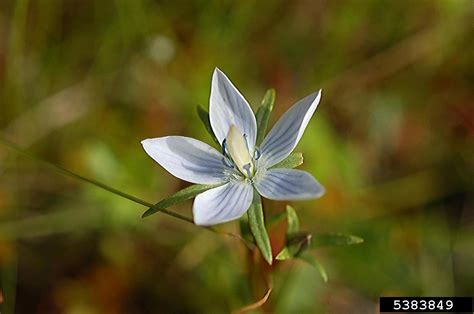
column 239, row 152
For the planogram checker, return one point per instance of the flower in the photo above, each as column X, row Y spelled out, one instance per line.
column 241, row 168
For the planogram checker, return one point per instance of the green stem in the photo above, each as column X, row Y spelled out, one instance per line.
column 105, row 187
column 96, row 183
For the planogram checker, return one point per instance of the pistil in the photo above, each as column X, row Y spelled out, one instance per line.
column 238, row 150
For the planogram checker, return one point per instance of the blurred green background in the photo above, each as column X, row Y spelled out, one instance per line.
column 82, row 82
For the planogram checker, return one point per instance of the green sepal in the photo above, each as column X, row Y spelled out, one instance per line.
column 294, row 160
column 204, row 116
column 311, row 260
column 180, row 196
column 257, row 226
column 334, row 239
column 263, row 114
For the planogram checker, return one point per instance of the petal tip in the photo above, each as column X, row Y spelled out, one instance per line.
column 321, row 192
column 218, row 73
column 317, row 97
column 146, row 143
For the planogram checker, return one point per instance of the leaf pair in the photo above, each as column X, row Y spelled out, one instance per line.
column 297, row 243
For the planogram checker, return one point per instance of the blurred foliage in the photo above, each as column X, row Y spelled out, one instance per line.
column 82, row 82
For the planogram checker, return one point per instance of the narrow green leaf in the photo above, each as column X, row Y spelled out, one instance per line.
column 334, row 239
column 284, row 254
column 311, row 260
column 294, row 160
column 293, row 221
column 263, row 114
column 204, row 116
column 180, row 196
column 257, row 226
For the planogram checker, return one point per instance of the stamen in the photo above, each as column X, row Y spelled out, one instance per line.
column 257, row 154
column 224, row 147
column 246, row 141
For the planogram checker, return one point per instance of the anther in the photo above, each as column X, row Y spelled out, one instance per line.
column 257, row 154
column 224, row 147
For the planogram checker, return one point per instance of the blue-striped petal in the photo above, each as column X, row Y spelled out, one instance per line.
column 222, row 204
column 287, row 132
column 228, row 107
column 187, row 158
column 288, row 184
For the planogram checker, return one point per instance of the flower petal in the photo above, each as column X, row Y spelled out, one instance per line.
column 222, row 204
column 187, row 158
column 287, row 132
column 228, row 107
column 288, row 184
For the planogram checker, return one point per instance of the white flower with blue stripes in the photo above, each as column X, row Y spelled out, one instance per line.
column 242, row 167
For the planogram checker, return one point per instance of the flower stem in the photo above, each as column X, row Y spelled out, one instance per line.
column 96, row 183
column 110, row 189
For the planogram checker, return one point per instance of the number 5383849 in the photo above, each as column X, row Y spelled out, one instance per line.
column 421, row 305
